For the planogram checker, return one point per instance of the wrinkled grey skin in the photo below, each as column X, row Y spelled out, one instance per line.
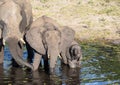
column 74, row 55
column 47, row 37
column 15, row 19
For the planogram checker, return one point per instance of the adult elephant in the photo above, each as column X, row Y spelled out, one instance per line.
column 45, row 37
column 15, row 19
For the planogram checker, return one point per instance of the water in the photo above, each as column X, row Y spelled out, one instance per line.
column 100, row 66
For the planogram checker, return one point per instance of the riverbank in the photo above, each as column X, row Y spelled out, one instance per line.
column 92, row 20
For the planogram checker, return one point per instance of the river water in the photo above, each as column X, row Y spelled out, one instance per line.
column 100, row 66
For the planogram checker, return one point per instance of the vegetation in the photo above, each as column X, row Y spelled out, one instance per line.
column 91, row 19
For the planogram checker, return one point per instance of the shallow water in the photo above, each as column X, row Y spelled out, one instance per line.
column 100, row 66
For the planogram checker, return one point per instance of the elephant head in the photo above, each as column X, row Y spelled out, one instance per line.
column 74, row 55
column 12, row 17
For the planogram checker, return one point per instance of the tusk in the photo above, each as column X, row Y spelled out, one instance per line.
column 3, row 41
column 60, row 56
column 48, row 56
column 22, row 40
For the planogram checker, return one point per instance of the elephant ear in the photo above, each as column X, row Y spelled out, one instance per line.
column 34, row 38
column 67, row 37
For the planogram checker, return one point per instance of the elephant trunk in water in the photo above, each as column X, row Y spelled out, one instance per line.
column 53, row 54
column 16, row 49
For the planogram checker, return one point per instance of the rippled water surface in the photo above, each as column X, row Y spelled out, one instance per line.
column 100, row 66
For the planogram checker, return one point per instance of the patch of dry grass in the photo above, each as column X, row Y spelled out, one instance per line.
column 91, row 19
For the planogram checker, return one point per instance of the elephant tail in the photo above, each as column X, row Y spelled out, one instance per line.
column 16, row 49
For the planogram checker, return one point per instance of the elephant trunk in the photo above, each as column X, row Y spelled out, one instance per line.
column 53, row 54
column 16, row 49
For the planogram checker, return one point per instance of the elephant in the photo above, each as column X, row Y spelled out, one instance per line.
column 15, row 20
column 74, row 55
column 47, row 39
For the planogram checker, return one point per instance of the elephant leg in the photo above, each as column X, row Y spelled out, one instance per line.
column 30, row 53
column 36, row 61
column 1, row 52
column 46, row 64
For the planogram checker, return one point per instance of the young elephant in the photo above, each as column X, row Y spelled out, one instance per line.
column 74, row 55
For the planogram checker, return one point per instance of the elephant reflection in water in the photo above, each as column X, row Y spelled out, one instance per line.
column 70, row 76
